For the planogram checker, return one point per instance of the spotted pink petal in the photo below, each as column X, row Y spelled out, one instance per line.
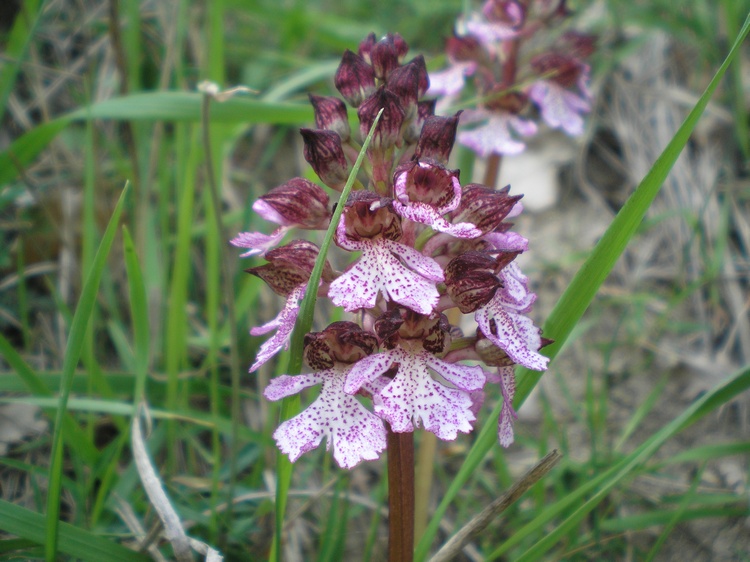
column 465, row 377
column 489, row 34
column 355, row 433
column 425, row 266
column 508, row 414
column 283, row 323
column 376, row 271
column 368, row 369
column 495, row 137
column 507, row 241
column 515, row 292
column 425, row 214
column 560, row 108
column 286, row 385
column 516, row 334
column 257, row 242
column 450, row 81
column 414, row 397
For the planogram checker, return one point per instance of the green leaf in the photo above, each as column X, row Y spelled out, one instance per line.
column 581, row 291
column 73, row 541
column 72, row 354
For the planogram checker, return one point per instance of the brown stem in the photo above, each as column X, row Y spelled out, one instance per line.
column 492, row 171
column 400, row 496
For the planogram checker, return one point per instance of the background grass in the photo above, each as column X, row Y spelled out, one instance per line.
column 92, row 324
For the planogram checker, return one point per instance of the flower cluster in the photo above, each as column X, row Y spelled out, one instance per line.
column 506, row 52
column 425, row 244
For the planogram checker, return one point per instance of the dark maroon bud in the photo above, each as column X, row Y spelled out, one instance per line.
column 340, row 342
column 483, row 207
column 384, row 57
column 437, row 138
column 563, row 69
column 508, row 102
column 367, row 216
column 508, row 12
column 410, row 82
column 463, row 49
column 579, row 45
column 298, row 202
column 388, row 132
column 330, row 114
column 471, row 280
column 354, row 78
column 401, row 47
column 365, row 47
column 325, row 154
column 290, row 266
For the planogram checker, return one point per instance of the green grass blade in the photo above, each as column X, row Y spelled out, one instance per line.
column 72, row 354
column 75, row 542
column 603, row 484
column 579, row 294
column 16, row 46
column 290, row 406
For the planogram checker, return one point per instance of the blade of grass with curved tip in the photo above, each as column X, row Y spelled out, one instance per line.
column 72, row 354
column 290, row 406
column 584, row 286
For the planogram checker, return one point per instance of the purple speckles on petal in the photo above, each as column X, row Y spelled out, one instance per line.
column 508, row 414
column 283, row 323
column 257, row 242
column 354, row 433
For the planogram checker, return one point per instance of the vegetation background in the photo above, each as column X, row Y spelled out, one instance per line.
column 94, row 93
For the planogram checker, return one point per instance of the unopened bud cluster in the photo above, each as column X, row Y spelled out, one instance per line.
column 424, row 245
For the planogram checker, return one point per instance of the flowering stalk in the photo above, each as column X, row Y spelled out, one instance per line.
column 427, row 245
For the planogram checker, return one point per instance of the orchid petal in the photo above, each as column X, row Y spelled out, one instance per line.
column 508, row 414
column 257, row 242
column 465, row 377
column 286, row 385
column 425, row 214
column 284, row 323
column 367, row 370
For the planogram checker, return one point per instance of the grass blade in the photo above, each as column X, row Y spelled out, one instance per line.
column 579, row 294
column 72, row 354
column 78, row 543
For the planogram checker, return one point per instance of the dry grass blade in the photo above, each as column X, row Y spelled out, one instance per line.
column 472, row 529
column 173, row 530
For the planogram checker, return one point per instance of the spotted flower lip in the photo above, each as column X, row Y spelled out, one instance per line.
column 283, row 324
column 425, row 191
column 413, row 397
column 379, row 270
column 354, row 433
column 503, row 322
column 508, row 415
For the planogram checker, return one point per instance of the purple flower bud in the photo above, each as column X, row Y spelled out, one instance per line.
column 325, row 154
column 579, row 45
column 508, row 12
column 384, row 57
column 365, row 47
column 471, row 280
column 290, row 266
column 298, row 202
column 340, row 342
column 354, row 78
column 465, row 49
column 437, row 138
column 561, row 69
column 427, row 182
column 330, row 114
column 369, row 216
column 484, row 207
column 388, row 132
